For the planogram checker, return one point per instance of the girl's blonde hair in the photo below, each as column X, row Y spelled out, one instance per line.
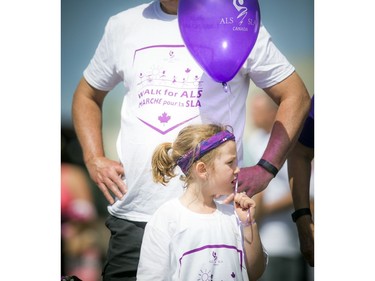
column 166, row 154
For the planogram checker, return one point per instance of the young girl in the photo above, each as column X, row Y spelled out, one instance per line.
column 194, row 237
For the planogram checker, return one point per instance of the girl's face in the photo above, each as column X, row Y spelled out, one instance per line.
column 223, row 174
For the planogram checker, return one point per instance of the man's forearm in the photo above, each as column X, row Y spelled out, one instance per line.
column 292, row 112
column 87, row 120
column 299, row 170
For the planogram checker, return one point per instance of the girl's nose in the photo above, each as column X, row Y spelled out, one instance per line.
column 237, row 170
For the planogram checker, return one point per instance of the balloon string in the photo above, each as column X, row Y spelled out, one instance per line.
column 227, row 90
column 248, row 215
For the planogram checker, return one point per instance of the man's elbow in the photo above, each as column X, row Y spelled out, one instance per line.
column 305, row 104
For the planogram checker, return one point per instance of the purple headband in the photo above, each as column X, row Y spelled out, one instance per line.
column 185, row 161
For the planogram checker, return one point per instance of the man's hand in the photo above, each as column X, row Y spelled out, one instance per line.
column 108, row 176
column 253, row 180
column 305, row 226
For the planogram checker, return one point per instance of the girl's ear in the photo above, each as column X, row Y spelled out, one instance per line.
column 201, row 170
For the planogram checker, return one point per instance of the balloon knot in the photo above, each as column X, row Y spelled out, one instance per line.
column 225, row 86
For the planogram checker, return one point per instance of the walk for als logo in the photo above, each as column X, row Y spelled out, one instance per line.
column 207, row 275
column 242, row 20
column 169, row 87
column 215, row 260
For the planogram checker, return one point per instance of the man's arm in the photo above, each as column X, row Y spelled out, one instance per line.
column 87, row 120
column 299, row 170
column 294, row 102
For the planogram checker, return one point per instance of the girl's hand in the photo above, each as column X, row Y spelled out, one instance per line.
column 242, row 205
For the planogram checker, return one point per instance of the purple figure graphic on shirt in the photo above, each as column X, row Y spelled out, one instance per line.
column 215, row 256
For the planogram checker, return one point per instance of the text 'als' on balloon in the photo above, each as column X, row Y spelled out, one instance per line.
column 219, row 34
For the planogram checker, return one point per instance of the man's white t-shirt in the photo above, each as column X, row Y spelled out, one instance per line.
column 167, row 90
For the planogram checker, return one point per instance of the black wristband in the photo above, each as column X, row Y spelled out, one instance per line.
column 268, row 167
column 300, row 212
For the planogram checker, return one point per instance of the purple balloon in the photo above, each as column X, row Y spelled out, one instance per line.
column 219, row 34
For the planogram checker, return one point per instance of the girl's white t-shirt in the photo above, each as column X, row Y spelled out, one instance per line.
column 167, row 90
column 179, row 244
